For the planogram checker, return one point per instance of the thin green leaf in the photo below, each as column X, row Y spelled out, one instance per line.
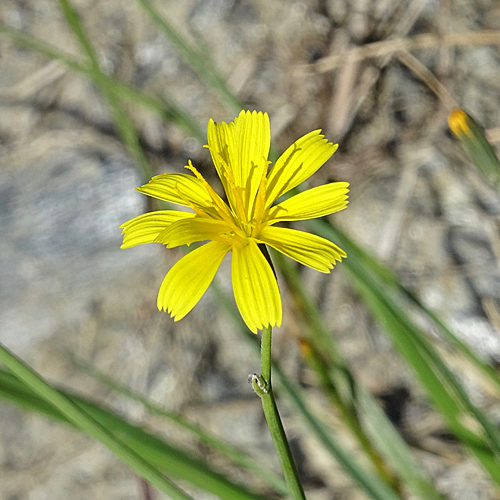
column 198, row 62
column 440, row 384
column 395, row 450
column 164, row 106
column 367, row 274
column 156, row 451
column 358, row 255
column 208, row 439
column 84, row 421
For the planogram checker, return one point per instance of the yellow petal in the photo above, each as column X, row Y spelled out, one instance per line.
column 182, row 189
column 255, row 288
column 308, row 249
column 220, row 143
column 187, row 231
column 313, row 203
column 189, row 279
column 252, row 139
column 298, row 163
column 147, row 227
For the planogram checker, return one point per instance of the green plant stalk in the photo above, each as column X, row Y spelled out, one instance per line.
column 263, row 388
column 85, row 422
column 370, row 483
column 366, row 480
column 335, row 376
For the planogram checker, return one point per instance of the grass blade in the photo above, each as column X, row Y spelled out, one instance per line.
column 358, row 255
column 443, row 388
column 395, row 449
column 122, row 121
column 165, row 107
column 82, row 420
column 431, row 377
column 156, row 451
column 237, row 456
column 198, row 62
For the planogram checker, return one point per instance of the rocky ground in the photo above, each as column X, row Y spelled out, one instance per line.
column 66, row 183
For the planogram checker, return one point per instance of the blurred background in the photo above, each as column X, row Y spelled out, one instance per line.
column 380, row 78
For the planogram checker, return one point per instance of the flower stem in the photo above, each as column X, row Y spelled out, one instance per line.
column 263, row 388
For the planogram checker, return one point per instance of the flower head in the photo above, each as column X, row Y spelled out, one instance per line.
column 244, row 220
column 459, row 123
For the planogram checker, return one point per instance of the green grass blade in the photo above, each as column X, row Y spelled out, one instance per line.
column 366, row 479
column 198, row 62
column 369, row 271
column 164, row 106
column 122, row 121
column 82, row 420
column 236, row 455
column 432, row 373
column 395, row 449
column 377, row 277
column 448, row 395
column 377, row 269
column 156, row 451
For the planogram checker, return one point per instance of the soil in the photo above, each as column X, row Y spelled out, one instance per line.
column 352, row 68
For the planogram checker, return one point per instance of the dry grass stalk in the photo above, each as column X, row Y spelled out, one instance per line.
column 419, row 42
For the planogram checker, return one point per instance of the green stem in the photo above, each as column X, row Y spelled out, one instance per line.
column 265, row 354
column 332, row 369
column 263, row 388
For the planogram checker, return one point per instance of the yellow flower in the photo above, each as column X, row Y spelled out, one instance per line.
column 240, row 152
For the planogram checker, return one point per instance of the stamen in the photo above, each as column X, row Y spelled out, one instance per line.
column 189, row 203
column 230, row 238
column 216, row 199
column 237, row 191
column 219, row 205
column 259, row 205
